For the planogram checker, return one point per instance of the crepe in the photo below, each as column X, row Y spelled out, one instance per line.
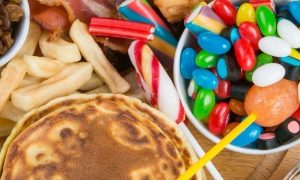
column 95, row 137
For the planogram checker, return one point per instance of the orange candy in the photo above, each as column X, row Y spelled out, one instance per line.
column 237, row 107
column 272, row 104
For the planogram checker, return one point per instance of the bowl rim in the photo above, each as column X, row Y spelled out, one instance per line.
column 21, row 37
column 180, row 82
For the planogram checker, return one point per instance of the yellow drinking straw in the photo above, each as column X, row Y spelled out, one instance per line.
column 218, row 148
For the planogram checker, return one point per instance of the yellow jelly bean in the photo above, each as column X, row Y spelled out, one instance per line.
column 245, row 13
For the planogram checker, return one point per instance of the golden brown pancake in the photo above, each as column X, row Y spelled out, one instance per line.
column 95, row 137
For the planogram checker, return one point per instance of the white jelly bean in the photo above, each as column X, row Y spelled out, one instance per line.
column 268, row 74
column 289, row 32
column 274, row 46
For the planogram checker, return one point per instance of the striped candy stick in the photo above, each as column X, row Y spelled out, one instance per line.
column 161, row 93
column 155, row 80
column 164, row 43
column 141, row 11
column 203, row 18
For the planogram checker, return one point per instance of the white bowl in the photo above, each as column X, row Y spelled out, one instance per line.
column 187, row 40
column 21, row 34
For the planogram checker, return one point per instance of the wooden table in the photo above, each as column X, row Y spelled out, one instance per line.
column 234, row 165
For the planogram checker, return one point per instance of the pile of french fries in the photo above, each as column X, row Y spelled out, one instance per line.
column 44, row 70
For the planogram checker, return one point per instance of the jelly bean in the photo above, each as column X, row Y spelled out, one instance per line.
column 237, row 107
column 239, row 90
column 296, row 114
column 231, row 33
column 204, row 103
column 246, row 12
column 205, row 59
column 248, row 136
column 289, row 32
column 288, row 131
column 289, row 60
column 193, row 89
column 294, row 8
column 266, row 20
column 226, row 11
column 228, row 69
column 250, row 32
column 187, row 62
column 260, row 76
column 285, row 14
column 205, row 79
column 244, row 54
column 272, row 104
column 260, row 60
column 230, row 127
column 299, row 91
column 292, row 72
column 274, row 46
column 213, row 43
column 218, row 118
column 267, row 141
column 223, row 89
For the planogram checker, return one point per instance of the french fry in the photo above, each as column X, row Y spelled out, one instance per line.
column 32, row 40
column 62, row 84
column 29, row 81
column 6, row 126
column 59, row 49
column 42, row 67
column 99, row 90
column 92, row 53
column 134, row 90
column 93, row 83
column 11, row 77
column 11, row 112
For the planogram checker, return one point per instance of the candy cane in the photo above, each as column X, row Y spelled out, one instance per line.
column 161, row 92
column 152, row 75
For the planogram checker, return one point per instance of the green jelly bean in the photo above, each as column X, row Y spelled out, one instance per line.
column 204, row 104
column 260, row 60
column 266, row 20
column 205, row 59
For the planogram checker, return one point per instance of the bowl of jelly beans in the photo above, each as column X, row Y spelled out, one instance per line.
column 238, row 58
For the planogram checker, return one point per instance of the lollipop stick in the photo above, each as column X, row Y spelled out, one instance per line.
column 295, row 54
column 218, row 148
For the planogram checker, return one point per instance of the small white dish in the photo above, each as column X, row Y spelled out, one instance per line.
column 187, row 40
column 21, row 34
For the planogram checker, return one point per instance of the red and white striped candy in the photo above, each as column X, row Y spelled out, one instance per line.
column 155, row 82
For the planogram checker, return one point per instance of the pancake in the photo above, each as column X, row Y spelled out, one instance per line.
column 95, row 137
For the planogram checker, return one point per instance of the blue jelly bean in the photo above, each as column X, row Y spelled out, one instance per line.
column 234, row 35
column 291, row 61
column 187, row 62
column 205, row 79
column 222, row 68
column 213, row 43
column 248, row 136
column 294, row 8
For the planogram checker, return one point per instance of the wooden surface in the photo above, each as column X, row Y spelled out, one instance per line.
column 241, row 166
